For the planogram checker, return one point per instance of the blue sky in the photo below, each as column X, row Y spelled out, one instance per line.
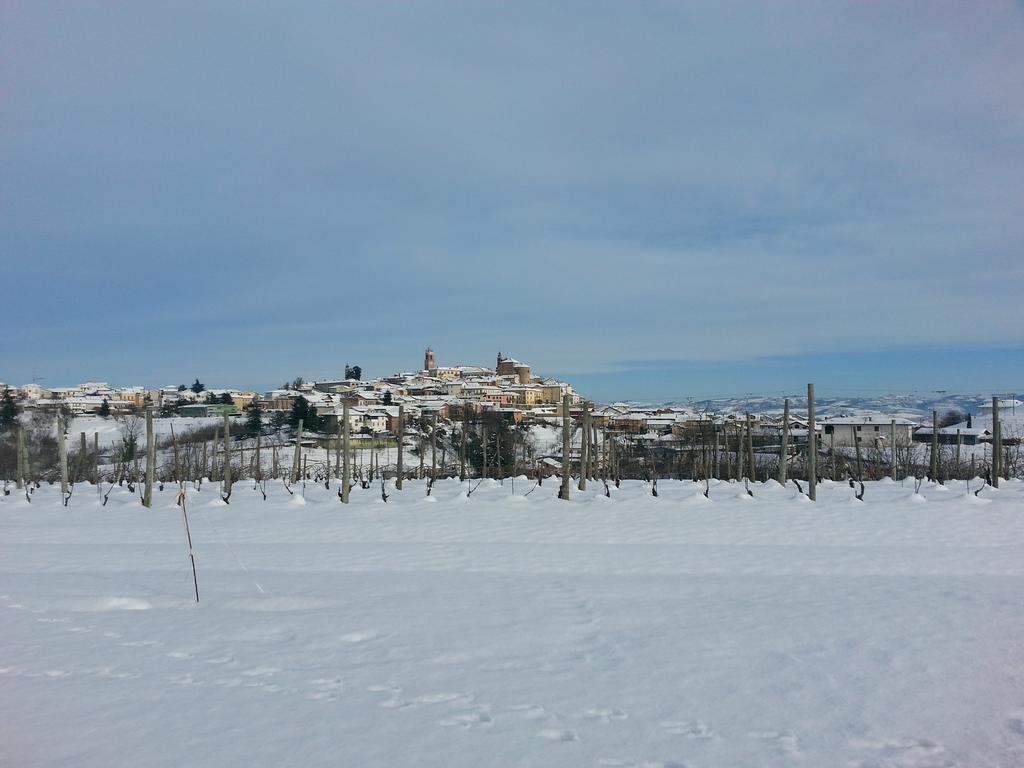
column 773, row 192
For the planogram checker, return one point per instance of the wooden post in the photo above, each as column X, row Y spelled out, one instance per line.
column 584, row 447
column 96, row 460
column 83, row 456
column 401, row 445
column 958, row 443
column 997, row 444
column 20, row 478
column 462, row 448
column 337, row 450
column 258, row 469
column 433, row 449
column 784, row 448
column 933, row 466
column 716, row 463
column 62, row 452
column 147, row 499
column 227, row 455
column 498, row 457
column 346, row 474
column 812, row 447
column 483, row 444
column 563, row 492
column 892, row 448
column 750, row 448
column 297, row 455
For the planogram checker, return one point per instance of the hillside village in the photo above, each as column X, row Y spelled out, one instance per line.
column 512, row 392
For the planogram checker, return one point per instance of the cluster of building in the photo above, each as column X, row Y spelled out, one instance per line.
column 510, row 389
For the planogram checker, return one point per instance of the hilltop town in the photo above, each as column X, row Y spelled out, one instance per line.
column 440, row 403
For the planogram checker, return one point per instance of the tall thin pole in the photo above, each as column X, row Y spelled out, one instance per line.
column 892, row 457
column 812, row 447
column 62, row 451
column 346, row 473
column 227, row 455
column 563, row 492
column 150, row 459
column 750, row 447
column 462, row 447
column 433, row 449
column 20, row 479
column 297, row 455
column 584, row 448
column 784, row 448
column 997, row 444
column 717, row 461
column 401, row 445
column 933, row 469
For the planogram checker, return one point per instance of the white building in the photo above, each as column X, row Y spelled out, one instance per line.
column 873, row 431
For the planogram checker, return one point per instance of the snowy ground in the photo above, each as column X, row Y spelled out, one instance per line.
column 512, row 631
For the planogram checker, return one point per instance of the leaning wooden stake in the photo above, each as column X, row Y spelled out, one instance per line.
column 812, row 447
column 188, row 536
column 96, row 460
column 563, row 492
column 784, row 448
column 401, row 445
column 346, row 469
column 147, row 499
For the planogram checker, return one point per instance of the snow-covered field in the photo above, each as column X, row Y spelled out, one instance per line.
column 506, row 630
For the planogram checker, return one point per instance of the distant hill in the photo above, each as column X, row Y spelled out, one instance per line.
column 917, row 406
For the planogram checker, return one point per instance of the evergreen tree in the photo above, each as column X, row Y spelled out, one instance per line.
column 8, row 411
column 104, row 410
column 226, row 399
column 301, row 409
column 182, row 387
column 253, row 418
column 496, row 425
column 278, row 419
column 386, row 400
column 198, row 386
column 353, row 372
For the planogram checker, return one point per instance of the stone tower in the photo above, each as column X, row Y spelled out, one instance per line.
column 428, row 360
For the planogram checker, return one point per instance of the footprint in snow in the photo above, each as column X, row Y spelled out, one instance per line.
column 327, row 689
column 558, row 735
column 605, row 715
column 468, row 720
column 530, row 711
column 691, row 729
